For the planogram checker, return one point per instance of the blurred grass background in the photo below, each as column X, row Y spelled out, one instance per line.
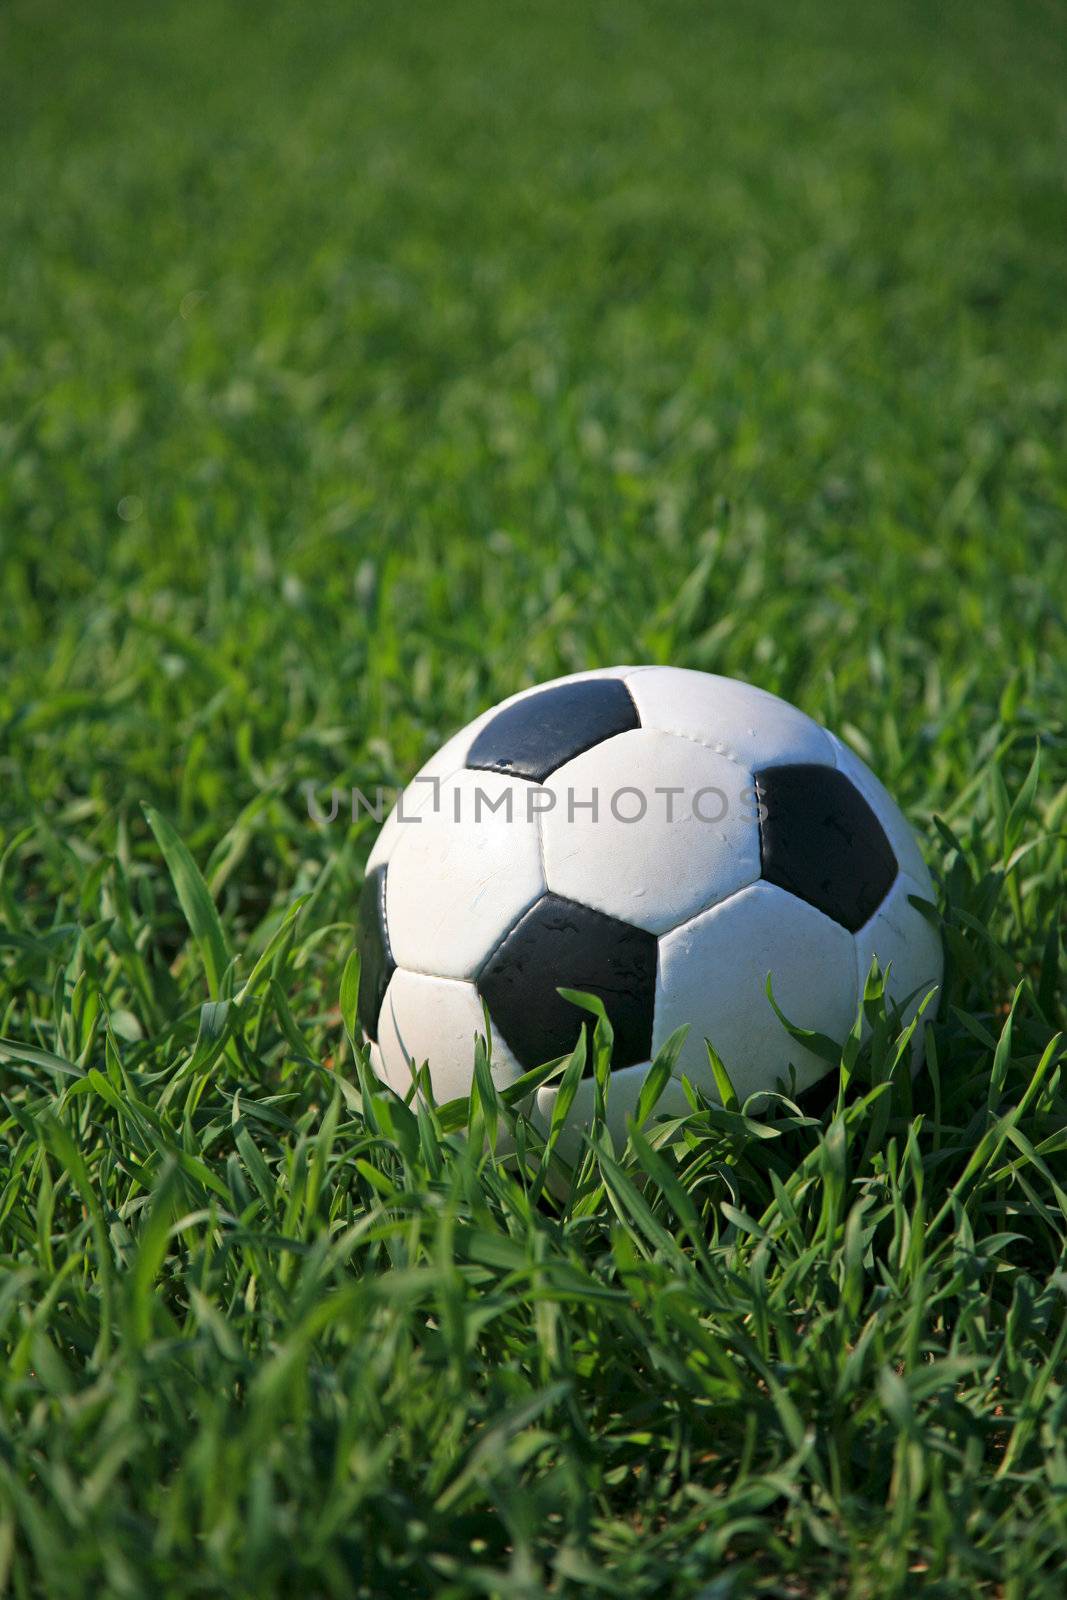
column 358, row 365
column 361, row 364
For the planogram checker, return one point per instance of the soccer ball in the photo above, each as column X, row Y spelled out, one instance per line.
column 662, row 838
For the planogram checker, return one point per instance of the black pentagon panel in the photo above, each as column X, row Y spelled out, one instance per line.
column 561, row 944
column 820, row 840
column 535, row 736
column 376, row 958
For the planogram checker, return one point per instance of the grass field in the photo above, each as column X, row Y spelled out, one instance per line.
column 360, row 364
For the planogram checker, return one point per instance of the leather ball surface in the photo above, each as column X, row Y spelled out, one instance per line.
column 659, row 837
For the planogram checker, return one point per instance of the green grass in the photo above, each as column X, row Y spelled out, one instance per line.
column 358, row 365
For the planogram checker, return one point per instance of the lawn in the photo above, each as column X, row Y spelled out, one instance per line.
column 359, row 365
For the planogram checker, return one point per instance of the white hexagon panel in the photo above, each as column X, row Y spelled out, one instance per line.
column 435, row 1019
column 650, row 828
column 462, row 874
column 713, row 976
column 623, row 1095
column 421, row 791
column 906, row 943
column 748, row 726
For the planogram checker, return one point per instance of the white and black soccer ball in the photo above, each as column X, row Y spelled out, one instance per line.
column 658, row 837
